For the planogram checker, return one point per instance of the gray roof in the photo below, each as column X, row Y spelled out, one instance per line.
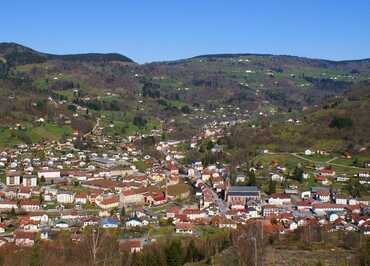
column 103, row 160
column 316, row 189
column 243, row 189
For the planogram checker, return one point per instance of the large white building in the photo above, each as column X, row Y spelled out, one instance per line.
column 65, row 197
column 48, row 174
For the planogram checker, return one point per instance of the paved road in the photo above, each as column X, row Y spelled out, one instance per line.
column 222, row 205
column 94, row 128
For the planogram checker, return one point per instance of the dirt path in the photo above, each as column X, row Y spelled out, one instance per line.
column 327, row 162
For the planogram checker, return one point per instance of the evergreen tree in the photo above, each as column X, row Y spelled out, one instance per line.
column 298, row 174
column 35, row 256
column 252, row 178
column 123, row 212
column 272, row 187
column 42, row 181
column 192, row 252
column 173, row 253
column 354, row 188
column 13, row 213
column 137, row 260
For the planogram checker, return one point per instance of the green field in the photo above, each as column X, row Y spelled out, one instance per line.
column 33, row 134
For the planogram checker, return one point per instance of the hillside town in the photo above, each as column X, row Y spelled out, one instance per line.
column 51, row 187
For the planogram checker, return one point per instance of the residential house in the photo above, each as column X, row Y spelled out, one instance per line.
column 81, row 198
column 8, row 204
column 24, row 239
column 109, row 223
column 131, row 245
column 30, row 205
column 65, row 197
column 279, row 199
column 325, row 207
column 131, row 197
column 48, row 174
column 13, row 178
column 108, row 203
column 184, row 228
column 341, row 199
column 134, row 222
column 223, row 222
column 277, row 177
column 269, row 210
column 251, row 213
column 323, row 196
column 29, row 181
column 24, row 193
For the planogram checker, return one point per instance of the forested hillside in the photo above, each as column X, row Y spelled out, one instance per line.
column 74, row 90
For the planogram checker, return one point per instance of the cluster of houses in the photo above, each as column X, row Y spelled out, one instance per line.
column 51, row 187
column 80, row 188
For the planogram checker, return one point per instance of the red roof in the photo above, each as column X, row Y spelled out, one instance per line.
column 304, row 203
column 174, row 210
column 128, row 193
column 24, row 235
column 320, row 178
column 184, row 226
column 322, row 193
column 24, row 190
column 279, row 196
column 130, row 244
column 110, row 200
column 327, row 171
column 29, row 203
column 328, row 206
column 81, row 195
column 8, row 201
column 191, row 211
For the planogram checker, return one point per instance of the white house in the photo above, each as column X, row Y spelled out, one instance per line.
column 306, row 194
column 8, row 204
column 279, row 199
column 277, row 178
column 29, row 181
column 48, row 174
column 24, row 238
column 308, row 152
column 134, row 222
column 251, row 213
column 333, row 217
column 61, row 224
column 293, row 226
column 30, row 205
column 323, row 196
column 81, row 198
column 13, row 178
column 341, row 199
column 65, row 197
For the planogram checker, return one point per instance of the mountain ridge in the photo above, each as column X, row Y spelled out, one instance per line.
column 10, row 50
column 112, row 56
